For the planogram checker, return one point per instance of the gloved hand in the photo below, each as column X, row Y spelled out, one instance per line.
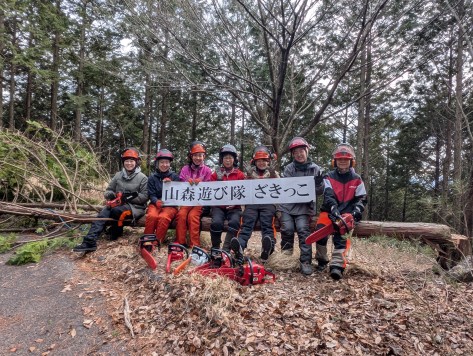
column 357, row 215
column 319, row 179
column 272, row 169
column 248, row 169
column 159, row 204
column 109, row 195
column 278, row 215
column 219, row 173
column 334, row 214
column 190, row 181
column 197, row 181
column 167, row 180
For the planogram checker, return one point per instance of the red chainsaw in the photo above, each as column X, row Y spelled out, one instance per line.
column 176, row 252
column 342, row 224
column 222, row 264
column 146, row 245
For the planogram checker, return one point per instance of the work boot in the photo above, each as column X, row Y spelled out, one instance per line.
column 336, row 273
column 321, row 266
column 306, row 268
column 237, row 251
column 288, row 252
column 266, row 248
column 86, row 246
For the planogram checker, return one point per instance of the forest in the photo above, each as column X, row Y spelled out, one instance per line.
column 392, row 78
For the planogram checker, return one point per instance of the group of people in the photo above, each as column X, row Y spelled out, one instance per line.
column 343, row 192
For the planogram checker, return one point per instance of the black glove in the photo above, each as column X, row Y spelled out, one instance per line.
column 109, row 195
column 357, row 215
column 319, row 179
column 334, row 214
column 129, row 196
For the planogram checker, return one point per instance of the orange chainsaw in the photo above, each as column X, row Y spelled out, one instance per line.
column 343, row 224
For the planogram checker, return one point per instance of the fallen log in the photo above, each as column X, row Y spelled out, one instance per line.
column 451, row 248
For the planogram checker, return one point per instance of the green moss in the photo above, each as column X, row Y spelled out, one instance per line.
column 6, row 242
column 34, row 251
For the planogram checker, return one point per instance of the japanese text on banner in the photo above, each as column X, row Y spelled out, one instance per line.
column 240, row 192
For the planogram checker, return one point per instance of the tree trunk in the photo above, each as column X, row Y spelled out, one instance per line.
column 232, row 122
column 2, row 64
column 457, row 134
column 55, row 73
column 367, row 125
column 80, row 74
column 194, row 115
column 99, row 122
column 147, row 109
column 164, row 117
column 11, row 106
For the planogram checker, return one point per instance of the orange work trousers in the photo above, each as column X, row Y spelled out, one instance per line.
column 188, row 219
column 158, row 220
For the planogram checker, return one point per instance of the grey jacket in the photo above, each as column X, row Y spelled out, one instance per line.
column 136, row 182
column 310, row 169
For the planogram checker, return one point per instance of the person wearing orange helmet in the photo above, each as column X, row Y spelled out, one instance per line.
column 227, row 170
column 344, row 193
column 296, row 216
column 158, row 217
column 126, row 197
column 262, row 166
column 188, row 217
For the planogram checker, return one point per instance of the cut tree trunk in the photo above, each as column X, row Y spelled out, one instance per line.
column 450, row 247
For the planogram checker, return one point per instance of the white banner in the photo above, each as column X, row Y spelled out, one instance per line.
column 240, row 192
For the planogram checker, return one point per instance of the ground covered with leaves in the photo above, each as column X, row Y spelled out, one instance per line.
column 390, row 302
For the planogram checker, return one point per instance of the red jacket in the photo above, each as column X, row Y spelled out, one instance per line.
column 235, row 174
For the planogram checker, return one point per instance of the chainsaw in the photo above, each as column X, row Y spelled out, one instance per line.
column 176, row 252
column 222, row 264
column 197, row 257
column 120, row 199
column 343, row 224
column 146, row 245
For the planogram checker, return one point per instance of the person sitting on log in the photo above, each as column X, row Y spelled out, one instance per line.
column 126, row 197
column 227, row 170
column 188, row 217
column 296, row 216
column 261, row 167
column 159, row 217
column 344, row 193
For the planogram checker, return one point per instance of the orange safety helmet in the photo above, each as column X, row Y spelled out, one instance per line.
column 298, row 142
column 197, row 147
column 130, row 153
column 344, row 150
column 164, row 153
column 262, row 152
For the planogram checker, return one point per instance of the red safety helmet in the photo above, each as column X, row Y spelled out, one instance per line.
column 131, row 153
column 298, row 142
column 228, row 149
column 261, row 152
column 344, row 150
column 164, row 153
column 197, row 147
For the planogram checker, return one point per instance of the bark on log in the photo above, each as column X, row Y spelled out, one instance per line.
column 451, row 248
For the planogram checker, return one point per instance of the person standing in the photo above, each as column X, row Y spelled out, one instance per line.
column 344, row 193
column 296, row 216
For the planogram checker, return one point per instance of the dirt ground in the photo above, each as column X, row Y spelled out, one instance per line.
column 44, row 310
column 390, row 302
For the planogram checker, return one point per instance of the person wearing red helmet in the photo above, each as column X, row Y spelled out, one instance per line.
column 261, row 167
column 344, row 193
column 126, row 197
column 296, row 216
column 188, row 217
column 227, row 170
column 158, row 217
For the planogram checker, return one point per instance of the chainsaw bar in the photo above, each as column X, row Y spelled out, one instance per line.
column 343, row 225
column 147, row 245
